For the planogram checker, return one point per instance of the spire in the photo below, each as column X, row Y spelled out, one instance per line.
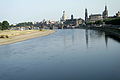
column 105, row 13
column 63, row 12
column 86, row 15
column 105, row 8
column 64, row 16
column 72, row 17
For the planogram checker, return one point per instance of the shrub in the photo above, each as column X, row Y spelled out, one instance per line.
column 4, row 36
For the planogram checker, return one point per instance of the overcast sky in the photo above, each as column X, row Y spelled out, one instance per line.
column 16, row 11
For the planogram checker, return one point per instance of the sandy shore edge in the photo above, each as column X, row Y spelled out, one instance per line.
column 25, row 37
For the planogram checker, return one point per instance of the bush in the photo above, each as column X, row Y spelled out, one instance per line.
column 4, row 36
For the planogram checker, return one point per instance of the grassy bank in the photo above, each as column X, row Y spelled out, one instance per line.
column 12, row 33
column 17, row 35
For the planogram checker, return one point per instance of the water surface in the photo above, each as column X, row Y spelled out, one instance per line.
column 74, row 54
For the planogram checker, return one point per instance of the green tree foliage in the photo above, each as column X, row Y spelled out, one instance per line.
column 24, row 24
column 12, row 25
column 96, row 22
column 99, row 22
column 5, row 25
column 113, row 21
column 90, row 23
column 0, row 26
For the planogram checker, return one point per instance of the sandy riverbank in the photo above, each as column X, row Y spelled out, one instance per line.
column 17, row 36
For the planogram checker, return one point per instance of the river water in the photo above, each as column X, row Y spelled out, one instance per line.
column 74, row 54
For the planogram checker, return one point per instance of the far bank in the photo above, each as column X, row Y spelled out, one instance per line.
column 110, row 30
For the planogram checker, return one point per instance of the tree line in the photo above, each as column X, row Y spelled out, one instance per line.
column 4, row 25
column 24, row 24
column 111, row 21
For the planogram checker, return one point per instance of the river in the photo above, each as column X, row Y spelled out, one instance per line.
column 71, row 54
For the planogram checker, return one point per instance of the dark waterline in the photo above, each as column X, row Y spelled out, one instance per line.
column 74, row 54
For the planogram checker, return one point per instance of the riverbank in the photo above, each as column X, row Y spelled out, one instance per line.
column 14, row 36
column 109, row 30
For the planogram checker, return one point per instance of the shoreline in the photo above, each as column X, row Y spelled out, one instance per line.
column 23, row 37
column 110, row 31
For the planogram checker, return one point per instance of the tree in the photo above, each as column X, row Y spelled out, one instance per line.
column 5, row 25
column 24, row 24
column 99, row 22
column 90, row 23
column 113, row 21
column 0, row 26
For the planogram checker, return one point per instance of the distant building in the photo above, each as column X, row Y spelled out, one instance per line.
column 64, row 17
column 73, row 22
column 95, row 17
column 86, row 16
column 118, row 14
column 105, row 13
column 80, row 21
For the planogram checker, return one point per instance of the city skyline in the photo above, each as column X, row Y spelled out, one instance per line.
column 16, row 11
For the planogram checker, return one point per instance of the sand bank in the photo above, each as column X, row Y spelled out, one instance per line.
column 17, row 36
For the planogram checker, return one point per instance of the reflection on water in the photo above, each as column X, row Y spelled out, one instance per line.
column 86, row 31
column 74, row 54
column 106, row 40
column 113, row 37
column 94, row 34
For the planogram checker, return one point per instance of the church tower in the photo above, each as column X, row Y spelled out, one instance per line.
column 105, row 13
column 72, row 17
column 86, row 16
column 64, row 16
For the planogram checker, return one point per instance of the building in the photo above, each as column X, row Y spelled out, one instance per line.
column 105, row 13
column 64, row 17
column 86, row 16
column 118, row 14
column 73, row 22
column 95, row 17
